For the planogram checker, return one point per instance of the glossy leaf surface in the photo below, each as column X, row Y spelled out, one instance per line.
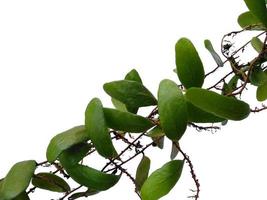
column 50, row 182
column 142, row 172
column 17, row 179
column 258, row 9
column 97, row 129
column 172, row 110
column 161, row 181
column 221, row 106
column 125, row 121
column 188, row 64
column 214, row 54
column 262, row 92
column 64, row 141
column 131, row 93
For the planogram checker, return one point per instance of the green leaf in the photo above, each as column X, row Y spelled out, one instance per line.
column 131, row 93
column 262, row 92
column 119, row 105
column 142, row 172
column 247, row 19
column 22, row 196
column 257, row 76
column 65, row 140
column 258, row 9
column 174, row 151
column 125, row 121
column 161, row 181
column 172, row 110
column 159, row 142
column 229, row 87
column 74, row 154
column 221, row 106
column 213, row 53
column 17, row 179
column 133, row 75
column 87, row 193
column 91, row 177
column 155, row 132
column 51, row 182
column 97, row 129
column 198, row 115
column 188, row 64
column 257, row 44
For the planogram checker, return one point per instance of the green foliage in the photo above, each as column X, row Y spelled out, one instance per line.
column 215, row 56
column 262, row 92
column 258, row 9
column 188, row 64
column 142, row 172
column 257, row 44
column 161, row 181
column 247, row 19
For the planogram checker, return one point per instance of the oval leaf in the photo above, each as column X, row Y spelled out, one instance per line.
column 221, row 106
column 258, row 9
column 172, row 110
column 17, row 179
column 161, row 181
column 247, row 19
column 131, row 93
column 188, row 64
column 125, row 121
column 213, row 53
column 257, row 44
column 64, row 141
column 50, row 182
column 257, row 76
column 262, row 92
column 142, row 172
column 97, row 129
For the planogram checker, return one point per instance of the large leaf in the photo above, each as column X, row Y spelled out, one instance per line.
column 91, row 177
column 248, row 19
column 50, row 182
column 172, row 110
column 97, row 129
column 161, row 181
column 125, row 121
column 17, row 179
column 262, row 92
column 221, row 106
column 65, row 140
column 188, row 64
column 197, row 115
column 142, row 172
column 131, row 93
column 258, row 9
column 213, row 53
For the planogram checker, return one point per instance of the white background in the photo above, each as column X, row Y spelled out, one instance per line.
column 56, row 55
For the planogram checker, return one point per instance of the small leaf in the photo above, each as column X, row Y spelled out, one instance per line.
column 257, row 76
column 257, row 44
column 119, row 105
column 22, row 196
column 215, row 56
column 188, row 64
column 197, row 115
column 155, row 132
column 125, row 121
column 161, row 181
column 51, row 182
column 131, row 93
column 142, row 172
column 229, row 87
column 258, row 9
column 133, row 75
column 172, row 110
column 65, row 140
column 262, row 92
column 221, row 106
column 91, row 177
column 74, row 154
column 248, row 19
column 17, row 179
column 174, row 151
column 87, row 193
column 97, row 129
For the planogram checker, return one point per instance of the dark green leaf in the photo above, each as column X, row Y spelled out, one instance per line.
column 64, row 141
column 74, row 154
column 97, row 129
column 174, row 151
column 247, row 19
column 229, row 87
column 172, row 110
column 262, row 92
column 17, row 179
column 161, row 181
column 188, row 64
column 131, row 93
column 133, row 75
column 142, row 172
column 215, row 56
column 22, row 196
column 50, row 182
column 258, row 9
column 257, row 44
column 197, row 115
column 91, row 177
column 221, row 106
column 87, row 193
column 125, row 121
column 257, row 76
